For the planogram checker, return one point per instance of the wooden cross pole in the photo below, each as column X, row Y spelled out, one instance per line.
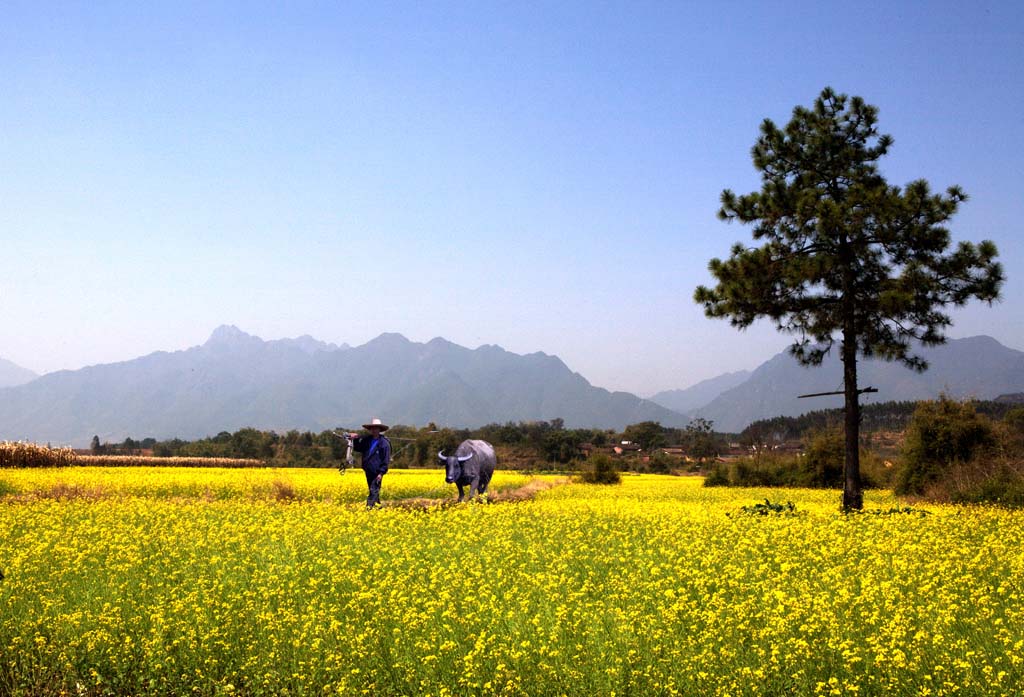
column 823, row 394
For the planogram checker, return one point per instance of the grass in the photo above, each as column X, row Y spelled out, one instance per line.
column 654, row 587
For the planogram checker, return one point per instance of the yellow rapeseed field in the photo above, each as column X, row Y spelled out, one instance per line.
column 162, row 582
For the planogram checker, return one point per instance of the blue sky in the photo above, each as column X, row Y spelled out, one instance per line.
column 543, row 176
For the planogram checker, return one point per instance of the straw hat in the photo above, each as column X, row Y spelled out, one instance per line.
column 375, row 422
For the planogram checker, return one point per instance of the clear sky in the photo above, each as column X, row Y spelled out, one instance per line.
column 542, row 176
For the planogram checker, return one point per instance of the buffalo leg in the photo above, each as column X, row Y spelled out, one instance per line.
column 485, row 481
column 461, row 494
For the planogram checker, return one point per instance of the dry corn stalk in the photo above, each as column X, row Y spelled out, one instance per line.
column 19, row 455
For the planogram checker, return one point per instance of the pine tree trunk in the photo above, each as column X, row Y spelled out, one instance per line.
column 853, row 497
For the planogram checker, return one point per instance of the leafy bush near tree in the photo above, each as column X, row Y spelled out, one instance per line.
column 941, row 434
column 956, row 455
column 600, row 469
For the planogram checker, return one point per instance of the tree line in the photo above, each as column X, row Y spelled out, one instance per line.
column 883, row 416
column 526, row 444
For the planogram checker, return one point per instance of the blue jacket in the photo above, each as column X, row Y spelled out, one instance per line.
column 376, row 462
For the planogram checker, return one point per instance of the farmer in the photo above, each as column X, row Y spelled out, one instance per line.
column 376, row 452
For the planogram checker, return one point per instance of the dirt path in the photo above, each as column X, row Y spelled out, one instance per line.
column 523, row 493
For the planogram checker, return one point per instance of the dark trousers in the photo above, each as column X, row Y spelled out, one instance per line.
column 373, row 484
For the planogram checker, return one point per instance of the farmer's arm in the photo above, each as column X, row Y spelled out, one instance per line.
column 385, row 455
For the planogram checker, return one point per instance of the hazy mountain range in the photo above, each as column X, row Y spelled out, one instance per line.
column 236, row 380
column 978, row 367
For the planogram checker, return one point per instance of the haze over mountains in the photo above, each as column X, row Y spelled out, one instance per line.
column 236, row 380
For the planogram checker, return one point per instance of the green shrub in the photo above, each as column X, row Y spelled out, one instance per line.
column 660, row 463
column 600, row 469
column 824, row 455
column 769, row 508
column 759, row 470
column 718, row 475
column 1014, row 419
column 941, row 433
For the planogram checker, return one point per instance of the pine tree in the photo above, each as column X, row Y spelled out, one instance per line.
column 845, row 256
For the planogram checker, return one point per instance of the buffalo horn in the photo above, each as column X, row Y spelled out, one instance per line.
column 440, row 454
column 463, row 459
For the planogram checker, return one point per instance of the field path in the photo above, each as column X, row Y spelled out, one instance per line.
column 524, row 493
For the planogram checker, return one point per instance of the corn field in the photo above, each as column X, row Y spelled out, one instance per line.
column 20, row 455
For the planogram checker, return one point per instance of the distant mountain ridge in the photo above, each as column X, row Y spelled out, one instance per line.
column 236, row 380
column 12, row 375
column 701, row 393
column 978, row 367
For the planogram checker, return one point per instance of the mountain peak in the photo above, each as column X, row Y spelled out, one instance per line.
column 389, row 339
column 12, row 375
column 230, row 335
column 309, row 345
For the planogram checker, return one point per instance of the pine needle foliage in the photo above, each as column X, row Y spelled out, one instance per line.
column 844, row 256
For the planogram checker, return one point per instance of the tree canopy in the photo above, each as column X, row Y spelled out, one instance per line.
column 844, row 255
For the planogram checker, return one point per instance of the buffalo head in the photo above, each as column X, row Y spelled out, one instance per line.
column 452, row 466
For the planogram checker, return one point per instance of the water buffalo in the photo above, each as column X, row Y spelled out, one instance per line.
column 472, row 463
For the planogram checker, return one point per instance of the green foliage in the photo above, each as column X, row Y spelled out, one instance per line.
column 600, row 469
column 700, row 441
column 941, row 433
column 562, row 446
column 769, row 508
column 718, row 475
column 841, row 244
column 1014, row 419
column 822, row 460
column 647, row 434
column 660, row 463
column 905, row 510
